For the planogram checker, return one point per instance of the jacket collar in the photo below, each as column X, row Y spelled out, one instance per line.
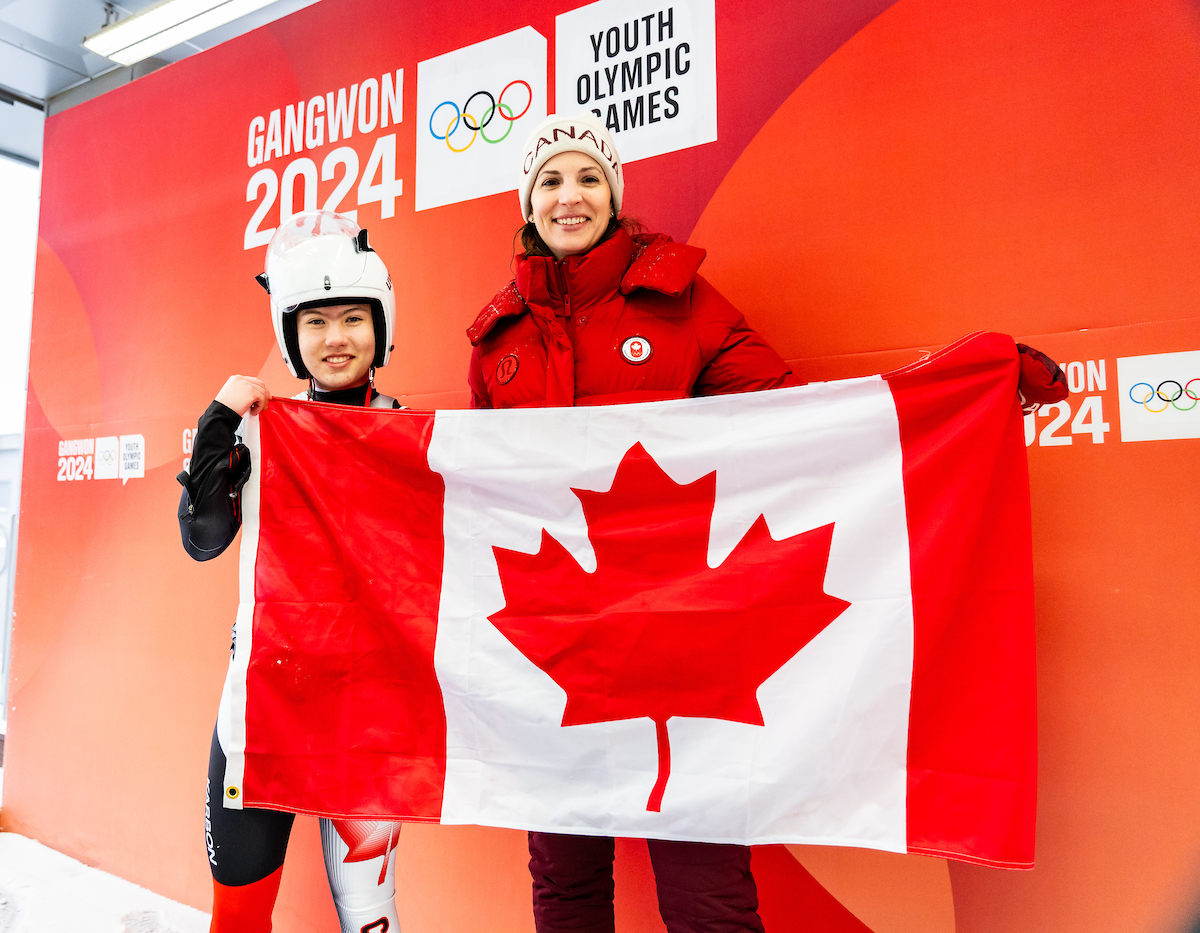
column 621, row 263
column 590, row 278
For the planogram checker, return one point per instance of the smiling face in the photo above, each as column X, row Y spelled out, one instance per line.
column 571, row 204
column 337, row 344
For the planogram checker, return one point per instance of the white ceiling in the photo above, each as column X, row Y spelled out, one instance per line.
column 44, row 67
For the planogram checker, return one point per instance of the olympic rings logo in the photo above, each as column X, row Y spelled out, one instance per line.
column 465, row 119
column 1166, row 395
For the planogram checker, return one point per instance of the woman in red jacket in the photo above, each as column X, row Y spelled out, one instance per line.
column 600, row 314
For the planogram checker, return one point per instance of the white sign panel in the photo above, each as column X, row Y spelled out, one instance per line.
column 1159, row 395
column 475, row 106
column 647, row 70
column 133, row 457
column 108, row 458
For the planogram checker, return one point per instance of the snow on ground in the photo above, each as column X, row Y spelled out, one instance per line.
column 43, row 891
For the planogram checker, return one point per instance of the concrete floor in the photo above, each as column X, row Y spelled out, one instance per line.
column 43, row 891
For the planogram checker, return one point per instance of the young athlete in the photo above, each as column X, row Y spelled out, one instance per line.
column 333, row 310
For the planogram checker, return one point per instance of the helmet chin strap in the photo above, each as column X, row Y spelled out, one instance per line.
column 312, row 388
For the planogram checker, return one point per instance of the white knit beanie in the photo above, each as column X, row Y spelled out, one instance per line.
column 581, row 133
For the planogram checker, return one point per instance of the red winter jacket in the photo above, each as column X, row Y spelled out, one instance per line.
column 629, row 321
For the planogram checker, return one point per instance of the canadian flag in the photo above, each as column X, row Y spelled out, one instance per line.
column 802, row 615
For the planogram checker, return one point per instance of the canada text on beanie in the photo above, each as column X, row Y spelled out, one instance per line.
column 581, row 133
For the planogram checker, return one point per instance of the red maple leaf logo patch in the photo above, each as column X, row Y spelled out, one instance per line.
column 368, row 839
column 654, row 631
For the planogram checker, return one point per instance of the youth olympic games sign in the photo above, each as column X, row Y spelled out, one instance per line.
column 475, row 106
column 646, row 70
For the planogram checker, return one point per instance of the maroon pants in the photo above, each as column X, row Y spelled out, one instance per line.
column 702, row 887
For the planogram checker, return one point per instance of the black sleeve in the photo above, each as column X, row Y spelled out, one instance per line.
column 210, row 509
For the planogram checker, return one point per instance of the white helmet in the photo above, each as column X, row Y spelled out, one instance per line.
column 322, row 258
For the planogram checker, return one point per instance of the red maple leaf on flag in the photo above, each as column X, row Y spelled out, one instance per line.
column 654, row 631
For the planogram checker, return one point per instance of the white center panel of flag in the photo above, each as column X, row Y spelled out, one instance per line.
column 828, row 765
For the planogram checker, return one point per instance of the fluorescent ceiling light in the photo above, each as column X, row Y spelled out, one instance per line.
column 166, row 24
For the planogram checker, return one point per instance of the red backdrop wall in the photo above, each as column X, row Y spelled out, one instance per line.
column 886, row 177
